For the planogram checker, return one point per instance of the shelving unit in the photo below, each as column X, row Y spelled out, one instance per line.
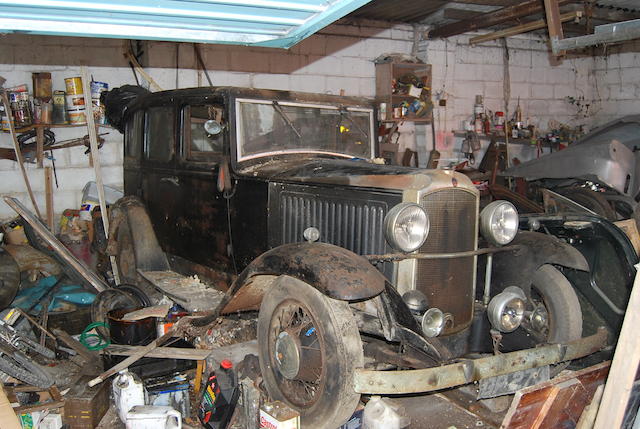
column 40, row 135
column 390, row 91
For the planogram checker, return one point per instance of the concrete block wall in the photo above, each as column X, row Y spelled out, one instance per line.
column 617, row 77
column 543, row 86
column 339, row 57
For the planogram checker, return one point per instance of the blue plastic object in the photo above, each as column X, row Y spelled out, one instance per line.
column 74, row 294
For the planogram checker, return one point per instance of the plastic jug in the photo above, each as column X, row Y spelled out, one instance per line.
column 383, row 413
column 128, row 391
column 153, row 417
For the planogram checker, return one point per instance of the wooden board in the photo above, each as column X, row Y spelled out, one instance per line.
column 160, row 352
column 189, row 292
column 557, row 403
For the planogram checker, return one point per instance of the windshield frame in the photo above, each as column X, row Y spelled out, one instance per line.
column 269, row 102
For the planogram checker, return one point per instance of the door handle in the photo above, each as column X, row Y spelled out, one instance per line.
column 171, row 179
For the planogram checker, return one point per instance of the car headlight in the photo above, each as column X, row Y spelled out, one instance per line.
column 406, row 227
column 499, row 222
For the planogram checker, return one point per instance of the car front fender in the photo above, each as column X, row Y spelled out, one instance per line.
column 517, row 268
column 336, row 272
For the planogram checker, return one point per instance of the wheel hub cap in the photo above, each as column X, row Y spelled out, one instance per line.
column 287, row 355
column 539, row 319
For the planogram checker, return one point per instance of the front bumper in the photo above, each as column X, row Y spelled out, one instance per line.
column 457, row 374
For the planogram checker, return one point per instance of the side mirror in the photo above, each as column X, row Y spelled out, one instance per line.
column 212, row 127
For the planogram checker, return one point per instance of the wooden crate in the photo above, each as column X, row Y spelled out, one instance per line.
column 85, row 406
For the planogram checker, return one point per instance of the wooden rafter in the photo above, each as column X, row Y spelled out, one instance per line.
column 490, row 19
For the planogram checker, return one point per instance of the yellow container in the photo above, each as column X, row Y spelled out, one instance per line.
column 74, row 85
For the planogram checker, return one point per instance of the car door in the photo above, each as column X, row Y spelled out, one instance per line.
column 202, row 221
column 160, row 187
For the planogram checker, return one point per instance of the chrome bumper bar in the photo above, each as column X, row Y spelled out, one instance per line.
column 456, row 374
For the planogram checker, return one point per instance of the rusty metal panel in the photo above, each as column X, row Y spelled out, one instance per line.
column 449, row 283
column 443, row 377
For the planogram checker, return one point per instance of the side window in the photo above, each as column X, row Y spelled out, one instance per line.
column 160, row 133
column 133, row 138
column 198, row 143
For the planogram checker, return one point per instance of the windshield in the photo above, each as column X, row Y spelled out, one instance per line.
column 268, row 127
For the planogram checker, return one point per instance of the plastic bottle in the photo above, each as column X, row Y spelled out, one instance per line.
column 219, row 397
column 383, row 413
column 128, row 391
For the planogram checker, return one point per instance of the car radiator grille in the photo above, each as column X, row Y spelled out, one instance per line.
column 354, row 225
column 449, row 283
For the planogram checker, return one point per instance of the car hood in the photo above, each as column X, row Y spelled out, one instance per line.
column 353, row 173
column 607, row 155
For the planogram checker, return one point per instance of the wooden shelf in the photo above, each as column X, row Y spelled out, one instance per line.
column 387, row 73
column 502, row 139
column 31, row 127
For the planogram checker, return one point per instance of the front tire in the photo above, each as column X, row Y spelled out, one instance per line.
column 553, row 311
column 309, row 349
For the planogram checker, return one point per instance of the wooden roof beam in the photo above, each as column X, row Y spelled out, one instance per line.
column 490, row 19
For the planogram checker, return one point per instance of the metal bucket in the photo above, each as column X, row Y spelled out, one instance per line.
column 130, row 332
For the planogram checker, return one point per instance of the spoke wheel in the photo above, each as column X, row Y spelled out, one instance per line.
column 309, row 349
column 553, row 312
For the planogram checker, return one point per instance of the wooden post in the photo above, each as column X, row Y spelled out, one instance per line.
column 48, row 190
column 39, row 145
column 16, row 148
column 623, row 367
column 95, row 157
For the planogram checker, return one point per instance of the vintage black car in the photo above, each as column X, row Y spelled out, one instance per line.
column 363, row 275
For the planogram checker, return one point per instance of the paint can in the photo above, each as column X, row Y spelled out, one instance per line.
column 98, row 88
column 75, row 100
column 59, row 115
column 74, row 85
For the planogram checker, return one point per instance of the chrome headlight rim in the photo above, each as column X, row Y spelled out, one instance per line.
column 507, row 309
column 499, row 222
column 392, row 223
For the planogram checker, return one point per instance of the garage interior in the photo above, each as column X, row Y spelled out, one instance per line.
column 442, row 194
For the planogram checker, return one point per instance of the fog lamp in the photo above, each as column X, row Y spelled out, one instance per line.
column 433, row 322
column 499, row 222
column 506, row 310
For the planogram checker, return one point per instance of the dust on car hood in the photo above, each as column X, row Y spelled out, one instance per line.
column 352, row 173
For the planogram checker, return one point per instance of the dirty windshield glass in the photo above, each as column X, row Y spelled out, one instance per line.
column 270, row 128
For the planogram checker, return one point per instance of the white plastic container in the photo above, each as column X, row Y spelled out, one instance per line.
column 128, row 391
column 153, row 417
column 383, row 413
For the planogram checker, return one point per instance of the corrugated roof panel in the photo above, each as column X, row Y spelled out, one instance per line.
column 275, row 23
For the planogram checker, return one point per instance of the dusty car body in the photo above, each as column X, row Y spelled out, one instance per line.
column 606, row 160
column 354, row 268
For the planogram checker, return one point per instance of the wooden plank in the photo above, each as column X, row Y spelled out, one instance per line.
column 558, row 400
column 524, row 28
column 489, row 19
column 95, row 157
column 160, row 352
column 48, row 190
column 16, row 148
column 39, row 407
column 554, row 24
column 627, row 356
column 92, row 278
column 39, row 146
